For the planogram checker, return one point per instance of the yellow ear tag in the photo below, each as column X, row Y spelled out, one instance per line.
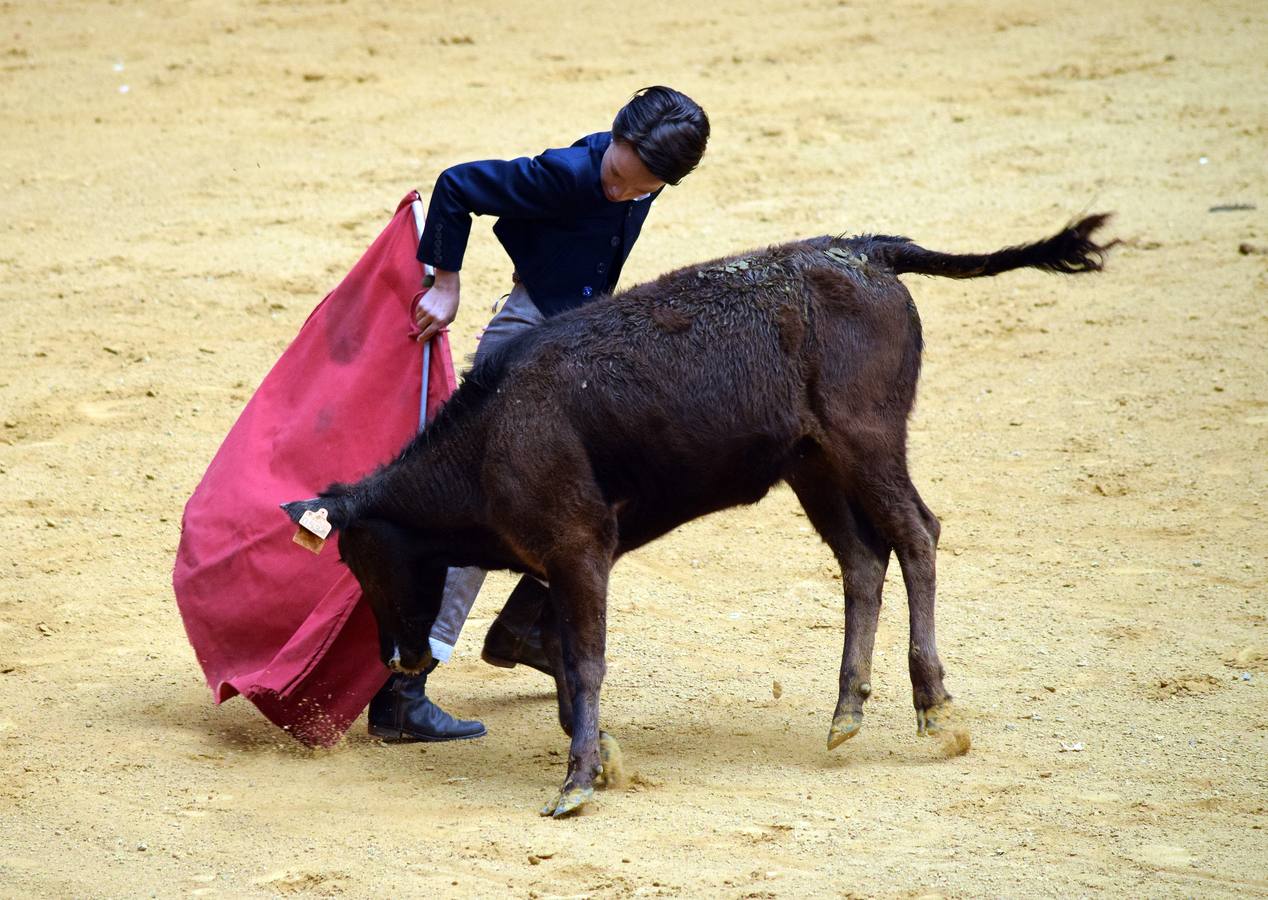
column 313, row 530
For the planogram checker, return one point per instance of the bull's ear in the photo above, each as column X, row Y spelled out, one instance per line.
column 296, row 508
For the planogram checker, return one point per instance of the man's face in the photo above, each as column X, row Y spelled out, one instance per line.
column 623, row 174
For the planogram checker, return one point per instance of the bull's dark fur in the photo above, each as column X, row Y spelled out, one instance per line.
column 609, row 425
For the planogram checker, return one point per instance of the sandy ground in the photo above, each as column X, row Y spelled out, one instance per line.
column 1095, row 448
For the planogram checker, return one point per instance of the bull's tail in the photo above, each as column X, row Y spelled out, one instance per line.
column 339, row 504
column 1072, row 250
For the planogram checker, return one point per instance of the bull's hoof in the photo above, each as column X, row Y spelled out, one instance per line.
column 612, row 775
column 932, row 721
column 844, row 727
column 568, row 802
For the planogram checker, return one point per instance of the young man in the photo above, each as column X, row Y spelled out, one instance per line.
column 568, row 219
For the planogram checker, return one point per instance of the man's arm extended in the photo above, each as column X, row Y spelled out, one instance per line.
column 522, row 188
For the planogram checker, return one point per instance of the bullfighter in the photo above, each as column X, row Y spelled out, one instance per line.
column 568, row 219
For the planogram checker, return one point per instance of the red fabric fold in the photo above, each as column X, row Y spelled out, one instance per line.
column 266, row 618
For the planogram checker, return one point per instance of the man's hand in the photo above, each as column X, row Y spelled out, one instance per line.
column 438, row 306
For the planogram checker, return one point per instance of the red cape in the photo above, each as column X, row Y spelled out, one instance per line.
column 266, row 618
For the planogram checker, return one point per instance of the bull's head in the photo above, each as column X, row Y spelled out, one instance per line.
column 404, row 593
column 405, row 619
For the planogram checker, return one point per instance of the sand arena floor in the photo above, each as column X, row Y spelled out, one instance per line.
column 1095, row 448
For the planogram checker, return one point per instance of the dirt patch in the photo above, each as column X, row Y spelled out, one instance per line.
column 1186, row 686
column 1248, row 658
column 303, row 883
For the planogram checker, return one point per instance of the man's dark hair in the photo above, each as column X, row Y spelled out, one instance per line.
column 667, row 129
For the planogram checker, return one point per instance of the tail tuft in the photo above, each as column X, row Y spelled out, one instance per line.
column 1073, row 250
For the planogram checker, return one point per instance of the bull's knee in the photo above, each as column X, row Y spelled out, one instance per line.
column 932, row 526
column 590, row 672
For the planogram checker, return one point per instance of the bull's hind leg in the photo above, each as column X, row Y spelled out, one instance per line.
column 901, row 516
column 929, row 694
column 863, row 556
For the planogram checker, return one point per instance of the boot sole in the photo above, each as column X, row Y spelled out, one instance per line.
column 396, row 736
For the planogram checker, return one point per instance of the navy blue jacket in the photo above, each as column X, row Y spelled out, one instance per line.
column 567, row 240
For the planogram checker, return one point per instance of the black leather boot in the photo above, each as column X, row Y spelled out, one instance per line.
column 401, row 713
column 515, row 636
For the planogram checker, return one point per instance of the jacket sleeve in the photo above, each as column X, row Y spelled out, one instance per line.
column 522, row 188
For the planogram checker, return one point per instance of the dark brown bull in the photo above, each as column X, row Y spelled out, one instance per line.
column 610, row 425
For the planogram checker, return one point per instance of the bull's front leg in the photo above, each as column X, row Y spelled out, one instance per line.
column 579, row 597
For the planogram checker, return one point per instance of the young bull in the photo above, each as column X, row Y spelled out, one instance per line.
column 611, row 424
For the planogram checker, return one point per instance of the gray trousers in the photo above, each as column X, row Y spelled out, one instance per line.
column 462, row 585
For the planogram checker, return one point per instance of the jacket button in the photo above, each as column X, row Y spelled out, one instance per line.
column 587, row 291
column 616, row 242
column 603, row 267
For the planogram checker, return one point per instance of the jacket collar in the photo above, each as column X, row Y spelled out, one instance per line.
column 596, row 145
